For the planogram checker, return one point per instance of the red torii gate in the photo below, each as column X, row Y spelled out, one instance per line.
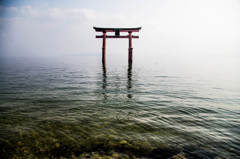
column 117, row 35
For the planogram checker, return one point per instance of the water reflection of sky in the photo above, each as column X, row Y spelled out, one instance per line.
column 117, row 104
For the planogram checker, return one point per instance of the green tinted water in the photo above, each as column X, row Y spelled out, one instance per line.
column 53, row 108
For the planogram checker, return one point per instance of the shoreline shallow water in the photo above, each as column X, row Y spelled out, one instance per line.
column 75, row 109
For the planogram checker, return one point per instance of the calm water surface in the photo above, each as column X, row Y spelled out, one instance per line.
column 77, row 108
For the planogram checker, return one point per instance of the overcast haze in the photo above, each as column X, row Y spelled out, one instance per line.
column 169, row 27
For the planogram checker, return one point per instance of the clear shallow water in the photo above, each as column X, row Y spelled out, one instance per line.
column 75, row 107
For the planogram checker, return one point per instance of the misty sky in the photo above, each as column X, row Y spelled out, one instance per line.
column 169, row 27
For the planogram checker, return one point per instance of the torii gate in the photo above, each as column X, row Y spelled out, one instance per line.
column 117, row 35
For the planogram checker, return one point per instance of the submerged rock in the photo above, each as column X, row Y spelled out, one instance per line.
column 163, row 153
column 193, row 152
column 123, row 142
column 179, row 156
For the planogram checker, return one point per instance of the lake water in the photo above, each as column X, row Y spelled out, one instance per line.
column 74, row 107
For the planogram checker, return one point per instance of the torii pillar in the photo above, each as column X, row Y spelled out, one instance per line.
column 130, row 48
column 104, row 48
column 117, row 35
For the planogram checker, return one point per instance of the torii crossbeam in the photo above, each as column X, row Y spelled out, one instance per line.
column 117, row 35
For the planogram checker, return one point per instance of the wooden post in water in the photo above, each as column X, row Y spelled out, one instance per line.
column 117, row 35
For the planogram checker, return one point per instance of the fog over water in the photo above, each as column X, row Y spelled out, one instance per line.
column 182, row 28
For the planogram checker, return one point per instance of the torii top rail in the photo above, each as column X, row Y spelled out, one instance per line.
column 117, row 35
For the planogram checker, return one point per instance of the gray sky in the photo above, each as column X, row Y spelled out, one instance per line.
column 178, row 28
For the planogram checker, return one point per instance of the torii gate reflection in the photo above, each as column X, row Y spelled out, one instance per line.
column 117, row 35
column 128, row 84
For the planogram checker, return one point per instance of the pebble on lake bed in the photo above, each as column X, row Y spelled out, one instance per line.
column 123, row 142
